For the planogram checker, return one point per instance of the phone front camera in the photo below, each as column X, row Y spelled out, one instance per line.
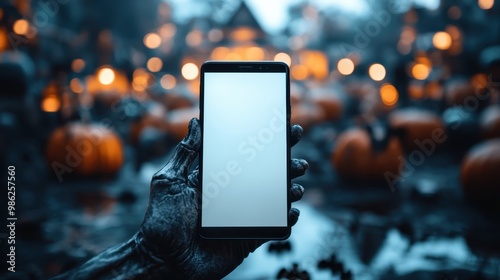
column 260, row 67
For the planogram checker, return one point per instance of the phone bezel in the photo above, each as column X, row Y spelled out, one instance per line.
column 271, row 233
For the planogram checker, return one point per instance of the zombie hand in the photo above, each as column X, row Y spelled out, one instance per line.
column 168, row 245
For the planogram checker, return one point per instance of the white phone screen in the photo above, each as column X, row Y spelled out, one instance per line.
column 244, row 175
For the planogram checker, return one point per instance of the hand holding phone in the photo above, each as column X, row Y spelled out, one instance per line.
column 170, row 227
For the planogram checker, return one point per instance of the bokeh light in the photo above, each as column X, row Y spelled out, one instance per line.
column 345, row 66
column 106, row 76
column 194, row 38
column 152, row 40
column 420, row 71
column 51, row 104
column 21, row 27
column 283, row 57
column 154, row 64
column 168, row 81
column 167, row 30
column 389, row 94
column 189, row 71
column 486, row 4
column 442, row 40
column 377, row 72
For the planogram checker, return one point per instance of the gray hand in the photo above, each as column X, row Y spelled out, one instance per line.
column 170, row 225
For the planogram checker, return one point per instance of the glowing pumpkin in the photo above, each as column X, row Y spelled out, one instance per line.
column 355, row 158
column 85, row 150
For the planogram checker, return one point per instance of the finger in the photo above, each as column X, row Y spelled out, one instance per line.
column 186, row 151
column 298, row 167
column 296, row 134
column 293, row 216
column 296, row 192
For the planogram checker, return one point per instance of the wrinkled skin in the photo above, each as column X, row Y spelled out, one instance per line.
column 172, row 215
column 168, row 245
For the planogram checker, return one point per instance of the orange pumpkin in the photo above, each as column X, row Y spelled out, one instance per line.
column 354, row 157
column 84, row 150
column 490, row 122
column 480, row 171
column 418, row 125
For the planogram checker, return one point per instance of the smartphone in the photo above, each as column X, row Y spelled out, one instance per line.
column 245, row 150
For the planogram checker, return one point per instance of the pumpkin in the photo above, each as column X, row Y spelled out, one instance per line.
column 418, row 126
column 355, row 158
column 84, row 150
column 480, row 171
column 489, row 121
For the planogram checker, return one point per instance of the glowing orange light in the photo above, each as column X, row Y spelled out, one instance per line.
column 168, row 81
column 480, row 81
column 21, row 27
column 4, row 41
column 106, row 76
column 194, row 38
column 51, row 104
column 1, row 13
column 299, row 72
column 233, row 56
column 215, row 35
column 389, row 94
column 420, row 71
column 77, row 65
column 454, row 32
column 220, row 53
column 76, row 85
column 486, row 4
column 243, row 34
column 154, row 64
column 345, row 66
column 189, row 71
column 152, row 40
column 254, row 53
column 283, row 57
column 442, row 40
column 377, row 72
